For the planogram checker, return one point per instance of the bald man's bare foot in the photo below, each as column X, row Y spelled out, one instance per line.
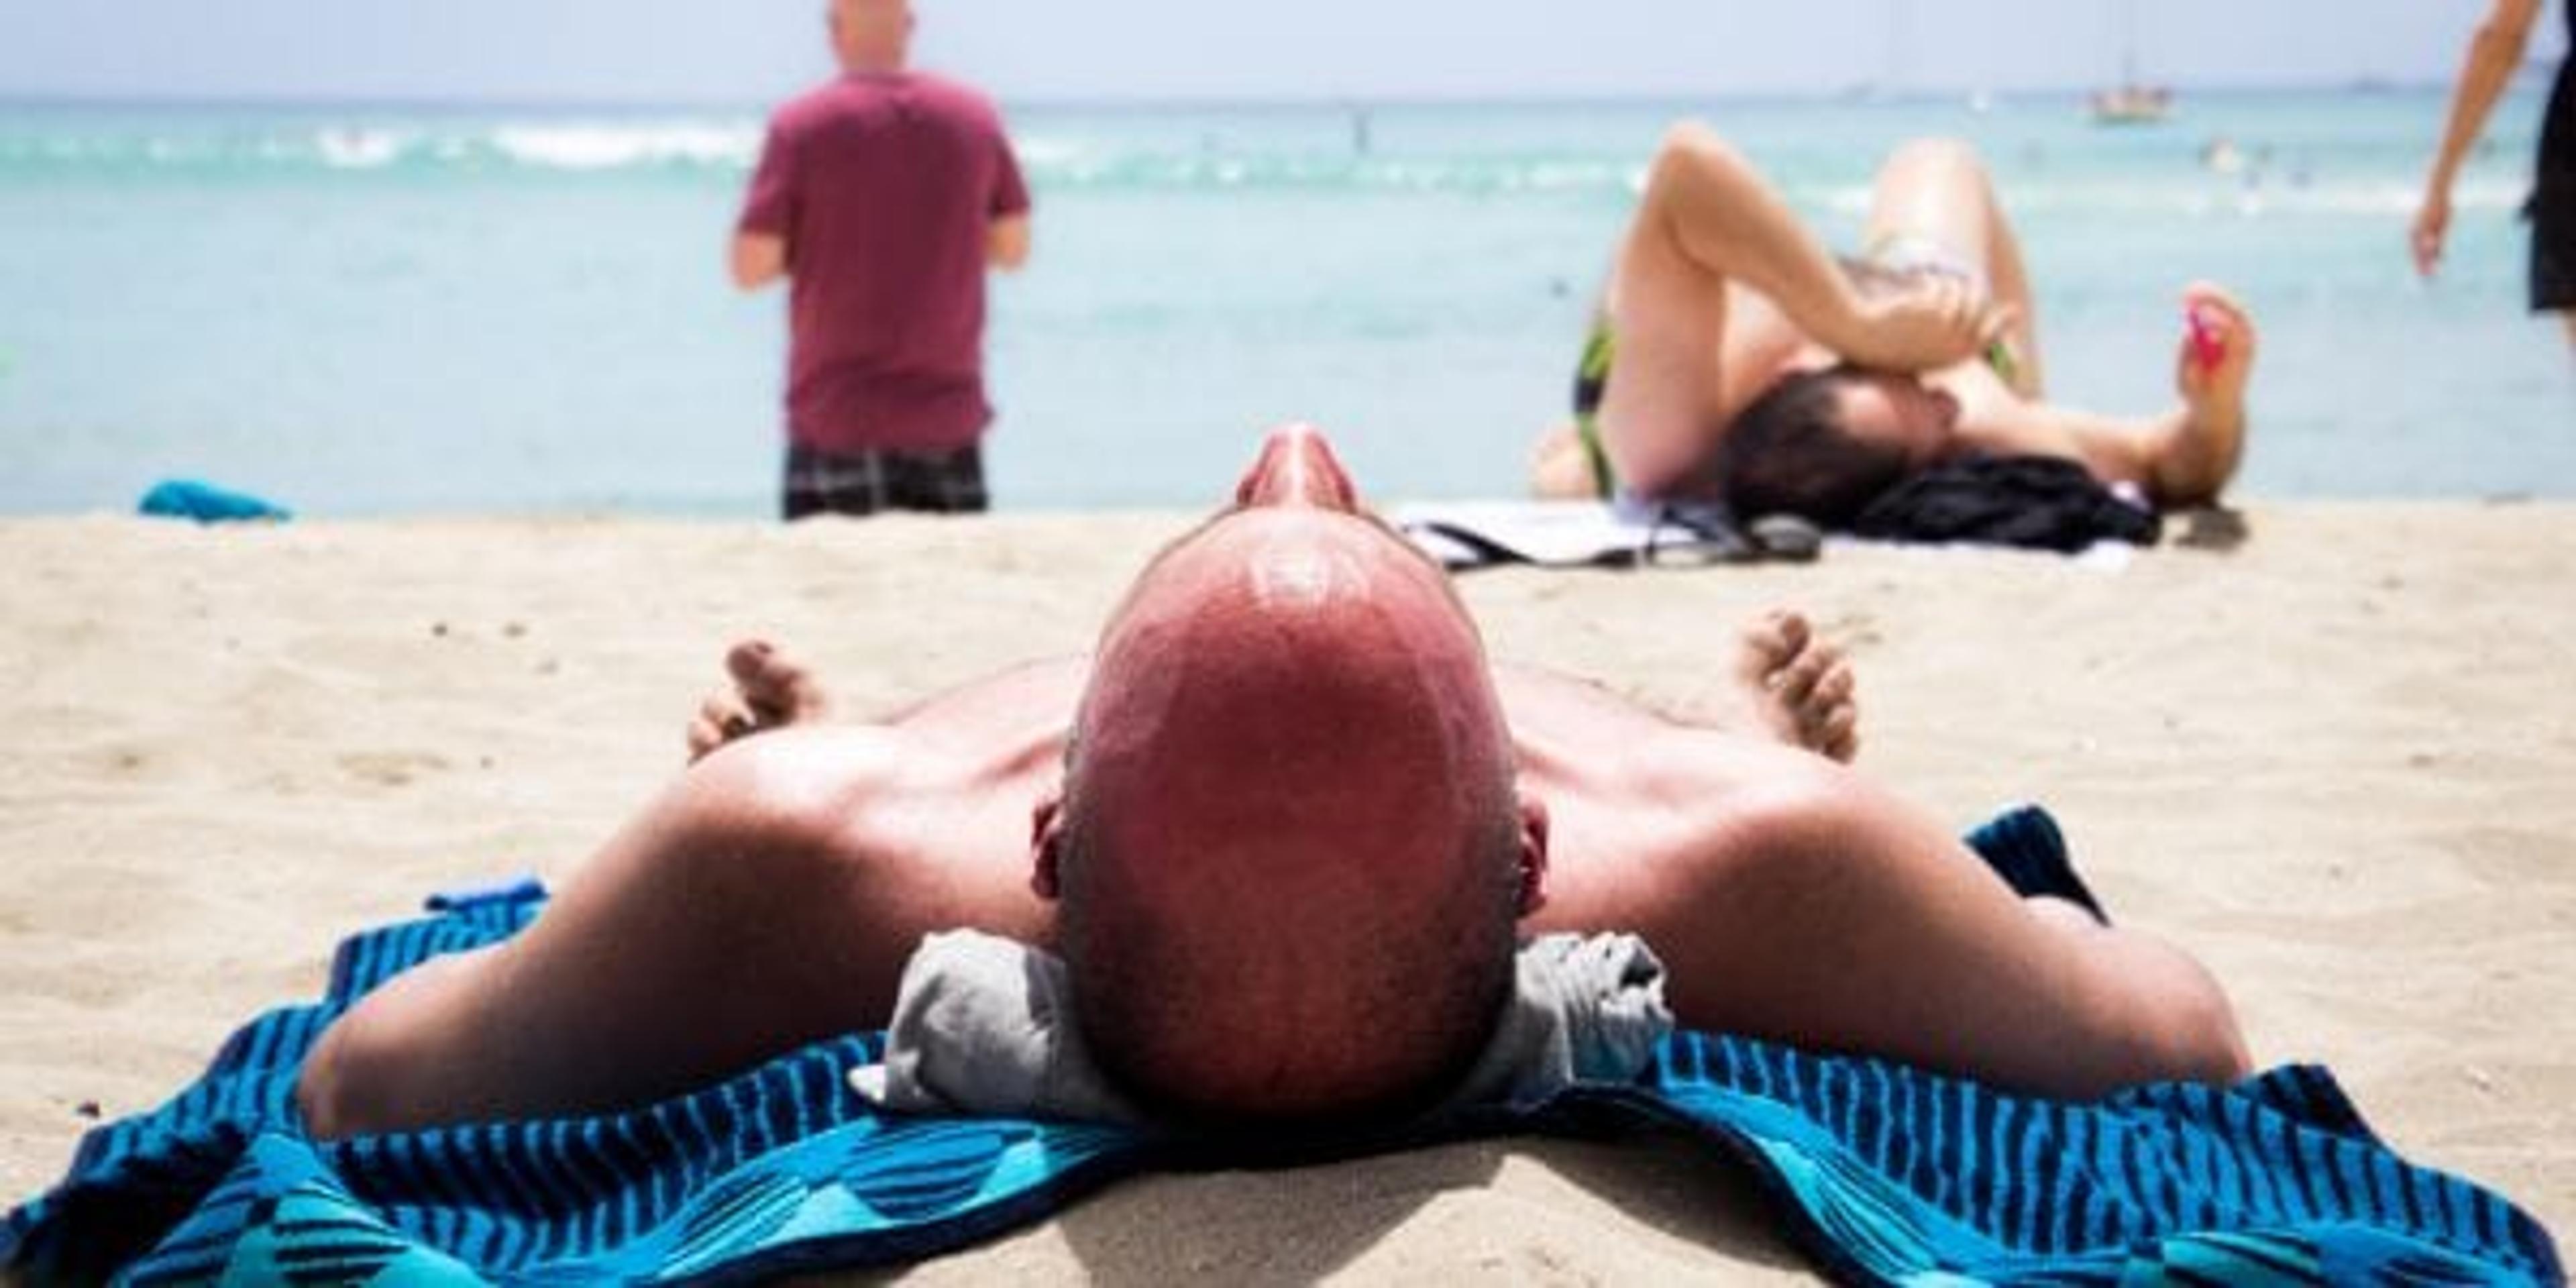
column 1797, row 687
column 770, row 691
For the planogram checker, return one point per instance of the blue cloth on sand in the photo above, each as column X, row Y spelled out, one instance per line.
column 1881, row 1173
column 206, row 503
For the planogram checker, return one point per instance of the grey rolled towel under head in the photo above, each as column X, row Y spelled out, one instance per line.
column 985, row 1025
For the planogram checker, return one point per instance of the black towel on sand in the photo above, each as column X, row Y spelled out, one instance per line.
column 2039, row 502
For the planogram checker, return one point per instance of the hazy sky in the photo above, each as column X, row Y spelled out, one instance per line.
column 749, row 51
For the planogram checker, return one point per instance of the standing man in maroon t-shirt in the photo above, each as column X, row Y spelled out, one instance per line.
column 882, row 197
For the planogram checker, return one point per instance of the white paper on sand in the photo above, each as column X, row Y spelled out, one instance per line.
column 1553, row 533
column 1565, row 534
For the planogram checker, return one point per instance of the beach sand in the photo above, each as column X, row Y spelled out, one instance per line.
column 2338, row 762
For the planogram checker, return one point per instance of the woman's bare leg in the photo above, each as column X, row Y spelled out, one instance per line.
column 1939, row 190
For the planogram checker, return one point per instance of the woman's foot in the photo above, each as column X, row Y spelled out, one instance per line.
column 2211, row 373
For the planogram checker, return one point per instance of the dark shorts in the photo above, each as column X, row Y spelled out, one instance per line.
column 864, row 483
column 2553, row 243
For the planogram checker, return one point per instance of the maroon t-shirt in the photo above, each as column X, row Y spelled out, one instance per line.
column 885, row 187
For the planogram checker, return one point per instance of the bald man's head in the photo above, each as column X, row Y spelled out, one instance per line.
column 1292, row 855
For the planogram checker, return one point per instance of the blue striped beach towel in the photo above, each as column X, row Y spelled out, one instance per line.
column 1880, row 1173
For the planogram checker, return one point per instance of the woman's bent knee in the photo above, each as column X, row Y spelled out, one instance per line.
column 1941, row 153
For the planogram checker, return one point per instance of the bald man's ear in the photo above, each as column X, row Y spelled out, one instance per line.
column 1533, row 853
column 1046, row 847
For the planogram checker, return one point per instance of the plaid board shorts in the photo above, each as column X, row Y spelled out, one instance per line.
column 864, row 483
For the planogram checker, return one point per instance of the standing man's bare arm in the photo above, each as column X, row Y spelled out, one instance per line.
column 1006, row 243
column 758, row 260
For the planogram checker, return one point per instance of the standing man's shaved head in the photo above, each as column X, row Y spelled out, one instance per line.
column 871, row 35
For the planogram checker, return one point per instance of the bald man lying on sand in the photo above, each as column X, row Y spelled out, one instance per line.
column 1285, row 830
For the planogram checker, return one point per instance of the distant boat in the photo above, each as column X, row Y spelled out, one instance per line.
column 2132, row 101
column 2132, row 104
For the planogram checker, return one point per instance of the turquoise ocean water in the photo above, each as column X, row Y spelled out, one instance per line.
column 363, row 311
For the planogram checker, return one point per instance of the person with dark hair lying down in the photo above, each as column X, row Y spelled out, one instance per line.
column 1284, row 832
column 1735, row 360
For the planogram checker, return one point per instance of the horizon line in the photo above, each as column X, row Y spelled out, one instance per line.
column 1854, row 94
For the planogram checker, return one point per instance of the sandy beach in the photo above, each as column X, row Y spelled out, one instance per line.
column 2337, row 761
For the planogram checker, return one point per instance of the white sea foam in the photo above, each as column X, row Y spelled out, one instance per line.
column 359, row 149
column 616, row 147
column 1034, row 150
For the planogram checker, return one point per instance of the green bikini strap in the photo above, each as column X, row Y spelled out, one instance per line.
column 1592, row 380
